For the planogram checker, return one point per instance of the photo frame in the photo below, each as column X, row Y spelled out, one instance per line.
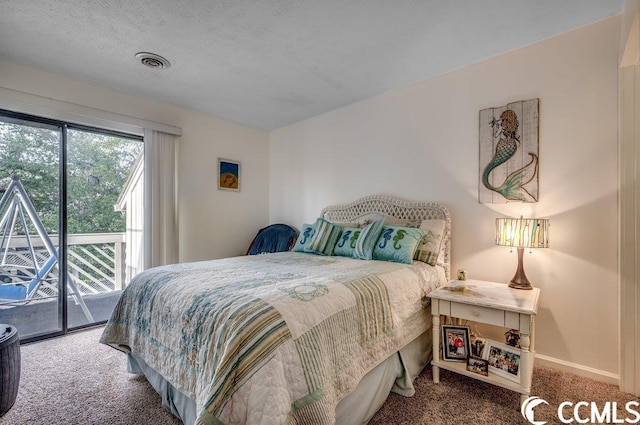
column 503, row 360
column 477, row 347
column 478, row 365
column 455, row 343
column 228, row 175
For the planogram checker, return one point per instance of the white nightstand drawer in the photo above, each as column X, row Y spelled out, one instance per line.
column 476, row 313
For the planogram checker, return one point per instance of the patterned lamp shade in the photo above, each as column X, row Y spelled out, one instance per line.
column 522, row 232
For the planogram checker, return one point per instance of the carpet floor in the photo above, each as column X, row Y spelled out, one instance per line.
column 76, row 380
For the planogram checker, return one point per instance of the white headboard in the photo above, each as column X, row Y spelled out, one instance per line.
column 376, row 206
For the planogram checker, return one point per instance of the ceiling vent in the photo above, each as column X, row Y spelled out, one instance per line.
column 152, row 60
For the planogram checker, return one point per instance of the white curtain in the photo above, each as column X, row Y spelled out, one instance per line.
column 160, row 227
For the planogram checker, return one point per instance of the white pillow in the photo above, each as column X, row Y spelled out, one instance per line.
column 429, row 249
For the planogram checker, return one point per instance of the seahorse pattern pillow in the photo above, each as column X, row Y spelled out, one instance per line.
column 367, row 240
column 324, row 239
column 304, row 239
column 398, row 244
column 429, row 250
column 346, row 245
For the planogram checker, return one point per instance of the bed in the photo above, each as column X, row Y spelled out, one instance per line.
column 289, row 337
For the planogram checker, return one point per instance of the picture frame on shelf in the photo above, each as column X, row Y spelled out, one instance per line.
column 478, row 365
column 228, row 175
column 503, row 360
column 455, row 343
column 477, row 346
column 512, row 338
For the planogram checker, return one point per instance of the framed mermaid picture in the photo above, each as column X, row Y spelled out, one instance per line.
column 509, row 153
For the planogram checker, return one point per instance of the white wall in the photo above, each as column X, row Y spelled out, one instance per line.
column 212, row 223
column 421, row 143
column 628, row 13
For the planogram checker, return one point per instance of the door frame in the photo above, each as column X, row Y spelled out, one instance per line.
column 629, row 211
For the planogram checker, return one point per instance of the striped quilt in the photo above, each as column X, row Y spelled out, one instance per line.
column 273, row 338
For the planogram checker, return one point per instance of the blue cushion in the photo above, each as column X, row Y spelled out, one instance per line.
column 304, row 239
column 324, row 238
column 346, row 245
column 367, row 240
column 13, row 292
column 398, row 244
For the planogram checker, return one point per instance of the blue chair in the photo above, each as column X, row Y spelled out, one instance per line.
column 273, row 238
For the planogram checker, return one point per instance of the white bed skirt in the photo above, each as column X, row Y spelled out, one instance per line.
column 394, row 374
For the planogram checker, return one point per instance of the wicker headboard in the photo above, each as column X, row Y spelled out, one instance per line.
column 376, row 206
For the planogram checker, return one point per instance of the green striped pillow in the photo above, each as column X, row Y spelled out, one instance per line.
column 325, row 238
column 367, row 240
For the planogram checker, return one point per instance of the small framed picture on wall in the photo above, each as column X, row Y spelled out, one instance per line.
column 228, row 175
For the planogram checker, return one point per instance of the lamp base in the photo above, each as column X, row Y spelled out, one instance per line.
column 520, row 285
column 520, row 280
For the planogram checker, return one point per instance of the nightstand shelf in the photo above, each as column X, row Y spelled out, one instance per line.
column 494, row 304
column 461, row 368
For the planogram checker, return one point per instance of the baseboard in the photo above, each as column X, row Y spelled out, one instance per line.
column 580, row 370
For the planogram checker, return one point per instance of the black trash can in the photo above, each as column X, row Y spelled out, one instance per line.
column 9, row 367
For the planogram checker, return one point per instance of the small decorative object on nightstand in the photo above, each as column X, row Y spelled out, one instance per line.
column 523, row 233
column 494, row 304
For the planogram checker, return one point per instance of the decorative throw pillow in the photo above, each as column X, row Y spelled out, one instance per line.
column 429, row 249
column 397, row 243
column 346, row 224
column 304, row 239
column 346, row 245
column 413, row 223
column 324, row 239
column 367, row 240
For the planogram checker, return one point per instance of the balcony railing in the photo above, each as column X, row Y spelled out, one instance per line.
column 95, row 262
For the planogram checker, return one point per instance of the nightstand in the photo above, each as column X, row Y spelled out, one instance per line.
column 494, row 304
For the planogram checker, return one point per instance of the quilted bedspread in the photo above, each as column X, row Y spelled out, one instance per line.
column 273, row 338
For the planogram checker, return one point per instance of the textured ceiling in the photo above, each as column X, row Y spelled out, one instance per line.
column 269, row 63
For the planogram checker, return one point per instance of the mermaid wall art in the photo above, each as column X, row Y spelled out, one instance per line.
column 509, row 153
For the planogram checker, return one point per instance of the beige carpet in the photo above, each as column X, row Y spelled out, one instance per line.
column 76, row 380
column 461, row 400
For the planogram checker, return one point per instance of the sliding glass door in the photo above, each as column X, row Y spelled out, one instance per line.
column 104, row 187
column 82, row 183
column 30, row 179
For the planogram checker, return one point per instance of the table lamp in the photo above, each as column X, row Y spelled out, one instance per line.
column 522, row 233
